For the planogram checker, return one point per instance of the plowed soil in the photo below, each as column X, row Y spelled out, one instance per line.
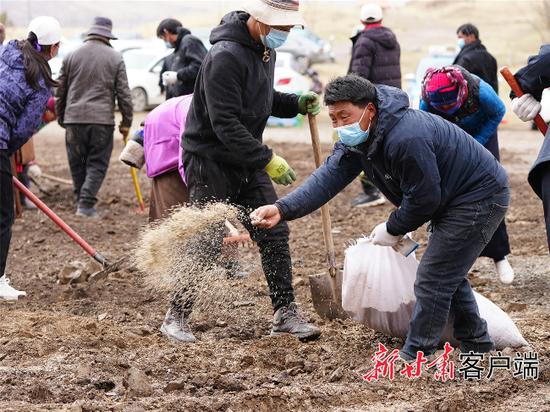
column 96, row 345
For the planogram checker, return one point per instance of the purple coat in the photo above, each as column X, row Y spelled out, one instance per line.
column 162, row 133
column 21, row 107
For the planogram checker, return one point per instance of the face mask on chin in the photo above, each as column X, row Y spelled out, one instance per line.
column 352, row 134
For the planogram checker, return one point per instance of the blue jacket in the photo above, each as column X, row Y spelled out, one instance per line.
column 422, row 163
column 483, row 122
column 21, row 107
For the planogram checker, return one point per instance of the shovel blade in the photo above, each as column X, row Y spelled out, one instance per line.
column 323, row 299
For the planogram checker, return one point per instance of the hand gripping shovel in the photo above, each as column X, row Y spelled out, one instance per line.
column 98, row 257
column 514, row 85
column 326, row 288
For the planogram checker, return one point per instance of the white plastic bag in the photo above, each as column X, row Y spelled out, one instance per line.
column 378, row 291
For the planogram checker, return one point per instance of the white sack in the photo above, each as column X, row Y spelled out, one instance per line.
column 378, row 291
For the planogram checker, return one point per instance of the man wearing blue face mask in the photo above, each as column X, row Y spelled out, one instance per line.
column 224, row 157
column 431, row 170
column 180, row 69
column 474, row 57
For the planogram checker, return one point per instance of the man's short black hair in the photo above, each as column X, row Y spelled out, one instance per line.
column 351, row 88
column 468, row 29
column 170, row 25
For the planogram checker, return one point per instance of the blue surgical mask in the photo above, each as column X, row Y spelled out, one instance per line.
column 461, row 43
column 168, row 44
column 275, row 38
column 352, row 134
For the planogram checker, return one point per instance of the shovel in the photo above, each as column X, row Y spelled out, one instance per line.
column 325, row 287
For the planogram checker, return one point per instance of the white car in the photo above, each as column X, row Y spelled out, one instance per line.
column 143, row 67
column 288, row 79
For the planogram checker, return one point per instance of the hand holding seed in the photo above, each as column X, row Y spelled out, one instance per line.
column 266, row 217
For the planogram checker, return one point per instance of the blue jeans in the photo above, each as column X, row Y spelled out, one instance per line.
column 441, row 288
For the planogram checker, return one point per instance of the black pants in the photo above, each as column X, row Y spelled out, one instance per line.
column 208, row 181
column 7, row 214
column 366, row 184
column 499, row 245
column 545, row 188
column 89, row 148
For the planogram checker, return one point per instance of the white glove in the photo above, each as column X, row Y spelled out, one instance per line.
column 526, row 107
column 381, row 237
column 169, row 78
column 34, row 171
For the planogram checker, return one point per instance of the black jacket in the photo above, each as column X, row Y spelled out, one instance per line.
column 186, row 60
column 533, row 79
column 420, row 162
column 375, row 56
column 476, row 59
column 233, row 99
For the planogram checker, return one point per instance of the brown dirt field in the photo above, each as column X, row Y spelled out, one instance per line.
column 96, row 346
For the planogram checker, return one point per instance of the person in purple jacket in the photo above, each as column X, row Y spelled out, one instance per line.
column 158, row 145
column 25, row 82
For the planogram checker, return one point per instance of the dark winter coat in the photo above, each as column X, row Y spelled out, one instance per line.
column 21, row 106
column 481, row 114
column 92, row 77
column 475, row 58
column 422, row 163
column 533, row 79
column 375, row 56
column 186, row 60
column 233, row 99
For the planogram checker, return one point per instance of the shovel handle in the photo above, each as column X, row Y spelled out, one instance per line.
column 135, row 180
column 59, row 222
column 516, row 88
column 325, row 212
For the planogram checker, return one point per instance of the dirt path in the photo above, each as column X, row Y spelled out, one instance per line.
column 96, row 346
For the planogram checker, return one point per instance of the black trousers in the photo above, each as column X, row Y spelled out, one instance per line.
column 208, row 181
column 7, row 213
column 545, row 189
column 499, row 245
column 89, row 148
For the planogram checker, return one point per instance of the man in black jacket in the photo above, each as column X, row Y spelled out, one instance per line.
column 181, row 68
column 376, row 57
column 474, row 57
column 533, row 79
column 224, row 157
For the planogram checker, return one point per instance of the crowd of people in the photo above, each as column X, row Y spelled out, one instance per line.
column 437, row 165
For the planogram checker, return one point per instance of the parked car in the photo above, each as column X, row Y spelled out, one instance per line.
column 438, row 57
column 289, row 79
column 307, row 47
column 143, row 67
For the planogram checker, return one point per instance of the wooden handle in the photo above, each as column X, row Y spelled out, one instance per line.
column 17, row 198
column 325, row 212
column 516, row 88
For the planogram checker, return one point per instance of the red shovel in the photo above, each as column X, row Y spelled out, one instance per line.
column 65, row 227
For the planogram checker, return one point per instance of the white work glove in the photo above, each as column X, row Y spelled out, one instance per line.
column 34, row 171
column 526, row 107
column 381, row 237
column 169, row 78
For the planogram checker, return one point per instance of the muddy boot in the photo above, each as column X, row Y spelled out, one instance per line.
column 176, row 328
column 289, row 320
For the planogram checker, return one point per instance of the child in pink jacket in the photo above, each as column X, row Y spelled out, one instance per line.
column 158, row 145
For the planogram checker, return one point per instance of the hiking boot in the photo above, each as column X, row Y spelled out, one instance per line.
column 373, row 198
column 505, row 271
column 176, row 328
column 88, row 212
column 289, row 320
column 7, row 292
